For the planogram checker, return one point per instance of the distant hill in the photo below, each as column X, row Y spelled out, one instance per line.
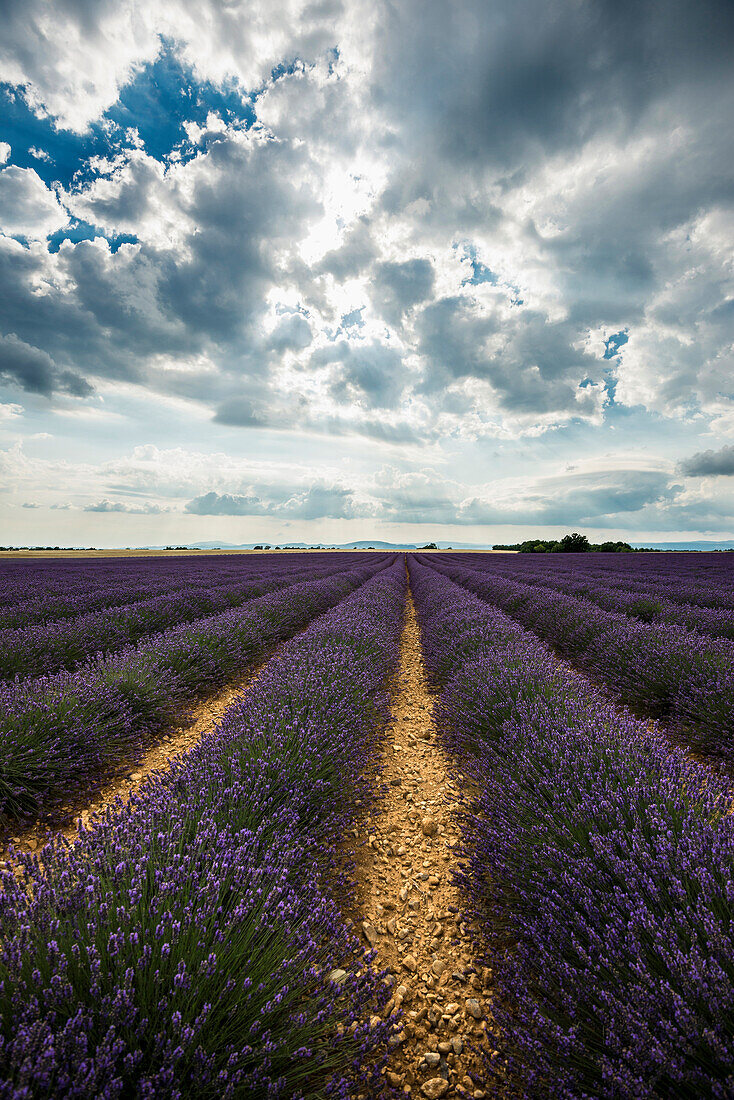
column 702, row 545
column 359, row 544
column 364, row 544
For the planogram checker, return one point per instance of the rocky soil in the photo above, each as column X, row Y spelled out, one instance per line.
column 409, row 907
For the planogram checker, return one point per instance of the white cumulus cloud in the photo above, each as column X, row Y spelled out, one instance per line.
column 28, row 208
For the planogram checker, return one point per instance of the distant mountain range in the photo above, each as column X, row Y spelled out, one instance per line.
column 702, row 545
column 365, row 544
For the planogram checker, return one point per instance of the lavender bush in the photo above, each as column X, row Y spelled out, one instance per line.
column 662, row 670
column 701, row 579
column 64, row 643
column 669, row 599
column 36, row 591
column 73, row 727
column 189, row 946
column 599, row 865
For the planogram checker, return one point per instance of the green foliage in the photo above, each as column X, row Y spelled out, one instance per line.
column 569, row 544
column 614, row 547
column 575, row 543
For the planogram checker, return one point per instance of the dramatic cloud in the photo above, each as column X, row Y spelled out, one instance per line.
column 27, row 207
column 361, row 373
column 397, row 287
column 710, row 463
column 421, row 235
column 97, row 47
column 316, row 502
column 225, row 504
column 34, row 370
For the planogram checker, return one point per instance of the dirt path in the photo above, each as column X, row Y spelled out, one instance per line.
column 174, row 741
column 407, row 903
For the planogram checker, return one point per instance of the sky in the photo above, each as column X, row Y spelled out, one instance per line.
column 392, row 269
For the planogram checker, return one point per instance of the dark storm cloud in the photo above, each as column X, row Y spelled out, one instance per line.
column 453, row 118
column 396, row 287
column 531, row 363
column 508, row 84
column 368, row 374
column 710, row 463
column 35, row 371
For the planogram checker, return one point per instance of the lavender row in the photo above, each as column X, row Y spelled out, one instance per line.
column 191, row 946
column 66, row 643
column 81, row 598
column 51, row 592
column 46, row 579
column 652, row 607
column 598, row 865
column 71, row 728
column 659, row 669
column 634, row 598
column 683, row 578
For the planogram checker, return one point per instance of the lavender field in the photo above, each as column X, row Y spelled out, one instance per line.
column 465, row 832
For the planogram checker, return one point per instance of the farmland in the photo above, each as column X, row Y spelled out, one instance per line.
column 456, row 825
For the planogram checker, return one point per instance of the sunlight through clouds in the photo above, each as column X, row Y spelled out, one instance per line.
column 492, row 239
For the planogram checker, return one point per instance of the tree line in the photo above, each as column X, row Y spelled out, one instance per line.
column 570, row 544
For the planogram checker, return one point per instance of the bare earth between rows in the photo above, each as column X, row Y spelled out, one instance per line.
column 407, row 902
column 157, row 757
column 408, row 907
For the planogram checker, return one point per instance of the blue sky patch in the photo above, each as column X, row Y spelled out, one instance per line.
column 83, row 231
column 615, row 342
column 480, row 272
column 165, row 94
column 156, row 102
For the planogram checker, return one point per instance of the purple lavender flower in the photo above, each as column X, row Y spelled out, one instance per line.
column 183, row 946
column 70, row 728
column 597, row 863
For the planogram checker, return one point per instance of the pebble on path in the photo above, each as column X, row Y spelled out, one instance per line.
column 408, row 905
